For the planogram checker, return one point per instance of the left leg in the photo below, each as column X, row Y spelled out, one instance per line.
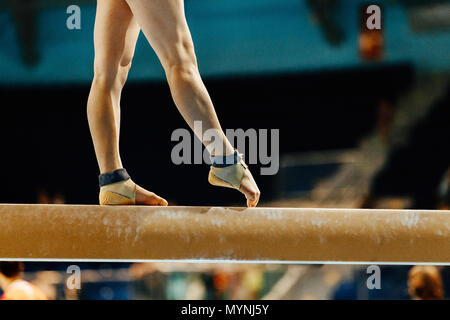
column 115, row 34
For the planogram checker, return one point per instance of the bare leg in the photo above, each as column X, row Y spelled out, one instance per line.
column 164, row 24
column 115, row 36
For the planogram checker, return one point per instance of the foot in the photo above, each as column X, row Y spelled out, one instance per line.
column 250, row 189
column 144, row 197
column 237, row 177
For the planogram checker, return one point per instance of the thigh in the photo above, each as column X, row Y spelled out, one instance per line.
column 164, row 24
column 115, row 35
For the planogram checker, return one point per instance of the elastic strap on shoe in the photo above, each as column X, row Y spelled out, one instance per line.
column 226, row 160
column 113, row 177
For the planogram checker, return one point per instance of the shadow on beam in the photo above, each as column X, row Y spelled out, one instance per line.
column 217, row 234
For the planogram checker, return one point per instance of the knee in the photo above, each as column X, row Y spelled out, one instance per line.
column 182, row 73
column 181, row 64
column 111, row 76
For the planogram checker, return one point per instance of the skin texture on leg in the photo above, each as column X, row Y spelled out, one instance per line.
column 115, row 35
column 164, row 25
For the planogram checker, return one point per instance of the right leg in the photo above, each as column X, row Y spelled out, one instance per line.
column 164, row 25
column 115, row 36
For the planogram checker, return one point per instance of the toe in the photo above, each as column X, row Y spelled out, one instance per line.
column 155, row 200
column 145, row 197
column 252, row 198
column 163, row 202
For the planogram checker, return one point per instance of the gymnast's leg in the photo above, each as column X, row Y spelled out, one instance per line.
column 164, row 24
column 115, row 35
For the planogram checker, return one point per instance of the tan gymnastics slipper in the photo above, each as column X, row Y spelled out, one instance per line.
column 228, row 176
column 116, row 188
column 119, row 193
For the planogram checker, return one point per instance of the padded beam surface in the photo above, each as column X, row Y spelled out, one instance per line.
column 98, row 233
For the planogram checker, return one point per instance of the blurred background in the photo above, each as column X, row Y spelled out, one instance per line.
column 364, row 120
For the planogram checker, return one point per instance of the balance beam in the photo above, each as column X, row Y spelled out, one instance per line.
column 291, row 235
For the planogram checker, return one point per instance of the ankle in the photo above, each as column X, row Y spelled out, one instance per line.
column 220, row 161
column 113, row 176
